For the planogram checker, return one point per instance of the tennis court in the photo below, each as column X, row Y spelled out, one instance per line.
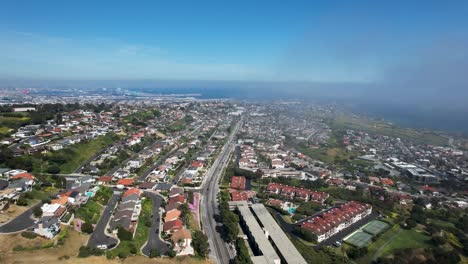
column 375, row 227
column 359, row 239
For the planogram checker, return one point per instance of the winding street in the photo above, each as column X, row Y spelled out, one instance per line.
column 99, row 237
column 154, row 240
column 21, row 222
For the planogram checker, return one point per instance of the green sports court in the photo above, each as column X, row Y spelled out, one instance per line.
column 375, row 227
column 359, row 239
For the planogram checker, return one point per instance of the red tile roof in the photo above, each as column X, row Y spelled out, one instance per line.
column 105, row 179
column 238, row 182
column 386, row 181
column 429, row 188
column 291, row 191
column 332, row 218
column 177, row 199
column 173, row 225
column 26, row 175
column 126, row 182
column 132, row 191
column 197, row 164
column 239, row 196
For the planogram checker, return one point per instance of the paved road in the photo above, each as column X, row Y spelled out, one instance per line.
column 209, row 206
column 154, row 241
column 20, row 223
column 99, row 237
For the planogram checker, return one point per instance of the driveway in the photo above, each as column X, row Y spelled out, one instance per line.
column 154, row 241
column 99, row 237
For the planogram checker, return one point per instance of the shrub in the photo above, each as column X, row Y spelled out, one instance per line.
column 37, row 211
column 355, row 253
column 54, row 169
column 123, row 254
column 154, row 253
column 28, row 235
column 124, row 234
column 22, row 201
column 87, row 228
column 86, row 251
column 133, row 249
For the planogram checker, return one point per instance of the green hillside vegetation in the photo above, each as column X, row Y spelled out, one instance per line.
column 383, row 128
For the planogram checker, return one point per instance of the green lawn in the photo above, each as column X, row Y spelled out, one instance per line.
column 90, row 212
column 13, row 122
column 4, row 130
column 83, row 151
column 407, row 239
column 43, row 194
column 141, row 233
column 374, row 246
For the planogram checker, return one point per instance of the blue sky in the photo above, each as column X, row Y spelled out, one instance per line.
column 326, row 41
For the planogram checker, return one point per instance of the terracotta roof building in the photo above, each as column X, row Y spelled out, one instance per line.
column 295, row 192
column 172, row 215
column 125, row 182
column 238, row 182
column 334, row 220
column 239, row 196
column 173, row 226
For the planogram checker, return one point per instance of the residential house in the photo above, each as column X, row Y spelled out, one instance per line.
column 182, row 240
column 47, row 227
column 172, row 215
column 172, row 226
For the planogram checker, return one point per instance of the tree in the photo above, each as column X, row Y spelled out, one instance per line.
column 190, row 197
column 243, row 256
column 87, row 228
column 184, row 212
column 37, row 211
column 172, row 253
column 86, row 251
column 54, row 169
column 124, row 234
column 22, row 201
column 410, row 223
column 438, row 240
column 154, row 253
column 355, row 253
column 133, row 249
column 305, row 234
column 200, row 243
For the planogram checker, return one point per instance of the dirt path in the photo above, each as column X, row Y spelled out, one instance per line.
column 377, row 253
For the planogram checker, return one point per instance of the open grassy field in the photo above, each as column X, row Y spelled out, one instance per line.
column 406, row 239
column 383, row 128
column 13, row 122
column 83, row 151
column 9, row 123
column 376, row 245
column 328, row 155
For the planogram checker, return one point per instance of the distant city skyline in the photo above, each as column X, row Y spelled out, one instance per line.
column 358, row 41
